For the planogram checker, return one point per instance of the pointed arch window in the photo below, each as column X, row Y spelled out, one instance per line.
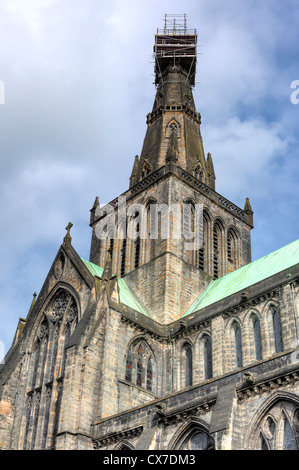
column 139, row 365
column 173, row 129
column 232, row 249
column 277, row 429
column 195, row 437
column 208, row 358
column 123, row 258
column 229, row 245
column 149, row 375
column 203, row 250
column 276, row 329
column 217, row 249
column 188, row 366
column 289, row 441
column 198, row 173
column 238, row 344
column 47, row 371
column 257, row 337
column 128, row 376
column 137, row 240
column 137, row 249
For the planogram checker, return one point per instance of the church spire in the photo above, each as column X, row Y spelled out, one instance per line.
column 174, row 110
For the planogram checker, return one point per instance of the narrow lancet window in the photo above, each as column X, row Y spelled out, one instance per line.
column 257, row 337
column 149, row 375
column 128, row 376
column 123, row 258
column 139, row 366
column 277, row 330
column 238, row 345
column 189, row 366
column 208, row 358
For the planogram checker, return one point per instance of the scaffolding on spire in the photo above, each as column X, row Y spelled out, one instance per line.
column 175, row 45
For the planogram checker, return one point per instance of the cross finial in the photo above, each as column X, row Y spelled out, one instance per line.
column 68, row 238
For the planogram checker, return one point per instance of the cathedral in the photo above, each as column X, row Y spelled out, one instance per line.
column 168, row 337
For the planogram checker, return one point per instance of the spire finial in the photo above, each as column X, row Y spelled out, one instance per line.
column 68, row 238
column 247, row 206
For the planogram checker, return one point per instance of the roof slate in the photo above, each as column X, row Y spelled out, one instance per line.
column 247, row 276
column 126, row 295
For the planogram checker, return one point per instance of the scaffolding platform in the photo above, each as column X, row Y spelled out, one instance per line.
column 175, row 44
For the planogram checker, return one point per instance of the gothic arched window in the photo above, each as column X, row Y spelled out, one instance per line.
column 232, row 249
column 238, row 344
column 278, row 429
column 173, row 129
column 197, row 441
column 137, row 239
column 47, row 371
column 149, row 375
column 128, row 376
column 208, row 366
column 203, row 250
column 257, row 337
column 188, row 366
column 194, row 436
column 123, row 258
column 139, row 365
column 217, row 249
column 276, row 329
column 198, row 173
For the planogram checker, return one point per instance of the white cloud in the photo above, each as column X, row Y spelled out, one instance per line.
column 244, row 153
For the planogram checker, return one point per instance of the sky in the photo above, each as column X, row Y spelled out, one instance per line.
column 76, row 84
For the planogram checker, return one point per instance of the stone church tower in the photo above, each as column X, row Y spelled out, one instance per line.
column 162, row 339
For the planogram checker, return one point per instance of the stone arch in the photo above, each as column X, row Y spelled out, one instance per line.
column 146, row 354
column 170, row 125
column 186, row 363
column 233, row 248
column 254, row 335
column 279, row 407
column 187, row 430
column 234, row 351
column 198, row 172
column 272, row 317
column 204, row 252
column 124, row 444
column 46, row 305
column 206, row 356
column 46, row 369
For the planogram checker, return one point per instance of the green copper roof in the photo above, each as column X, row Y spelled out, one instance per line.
column 126, row 296
column 248, row 275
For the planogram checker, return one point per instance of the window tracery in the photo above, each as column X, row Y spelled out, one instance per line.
column 140, row 366
column 47, row 369
column 193, row 435
column 278, row 429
